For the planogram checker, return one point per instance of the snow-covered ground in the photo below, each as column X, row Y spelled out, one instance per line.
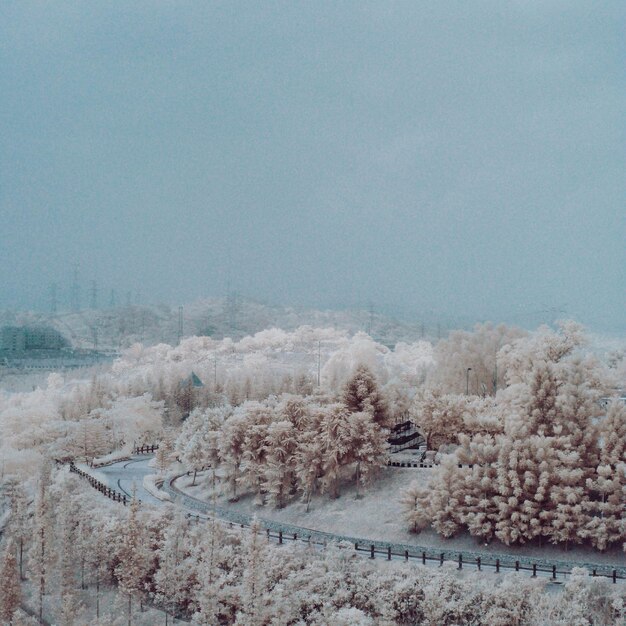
column 377, row 515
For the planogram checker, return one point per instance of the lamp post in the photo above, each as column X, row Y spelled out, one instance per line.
column 469, row 369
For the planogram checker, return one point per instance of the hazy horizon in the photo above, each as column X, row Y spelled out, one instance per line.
column 456, row 160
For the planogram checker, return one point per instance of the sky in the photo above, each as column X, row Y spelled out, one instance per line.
column 457, row 159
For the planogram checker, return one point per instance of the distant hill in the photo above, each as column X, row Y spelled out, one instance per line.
column 236, row 317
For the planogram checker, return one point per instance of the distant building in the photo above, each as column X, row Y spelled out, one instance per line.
column 42, row 348
column 23, row 340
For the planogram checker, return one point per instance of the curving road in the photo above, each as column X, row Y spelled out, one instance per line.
column 126, row 476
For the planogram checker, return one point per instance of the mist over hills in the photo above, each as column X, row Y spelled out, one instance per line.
column 114, row 329
column 233, row 316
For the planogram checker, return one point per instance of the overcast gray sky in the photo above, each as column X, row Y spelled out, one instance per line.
column 466, row 158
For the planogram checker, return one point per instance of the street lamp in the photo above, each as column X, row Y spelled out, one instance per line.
column 469, row 369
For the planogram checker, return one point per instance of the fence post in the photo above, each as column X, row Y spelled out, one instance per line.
column 478, row 563
column 441, row 559
column 534, row 570
column 593, row 573
column 554, row 572
column 280, row 536
column 497, row 565
column 372, row 551
column 460, row 561
column 406, row 555
column 423, row 558
column 389, row 553
column 614, row 576
column 356, row 546
column 517, row 566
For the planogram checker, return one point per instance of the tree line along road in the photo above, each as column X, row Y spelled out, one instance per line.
column 127, row 476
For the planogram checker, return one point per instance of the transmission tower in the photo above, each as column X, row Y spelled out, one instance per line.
column 75, row 290
column 370, row 320
column 94, row 294
column 53, row 299
column 233, row 308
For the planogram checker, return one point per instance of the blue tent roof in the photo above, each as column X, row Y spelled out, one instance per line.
column 192, row 380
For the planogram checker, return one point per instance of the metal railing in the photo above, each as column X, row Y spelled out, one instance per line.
column 480, row 560
column 105, row 490
column 146, row 449
column 426, row 555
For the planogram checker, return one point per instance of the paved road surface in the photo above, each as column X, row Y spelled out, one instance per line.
column 125, row 476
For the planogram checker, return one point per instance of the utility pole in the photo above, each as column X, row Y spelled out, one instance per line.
column 469, row 369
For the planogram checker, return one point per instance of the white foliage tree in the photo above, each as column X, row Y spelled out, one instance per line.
column 604, row 510
column 41, row 555
column 367, row 445
column 334, row 437
column 478, row 350
column 280, row 444
column 10, row 590
column 253, row 548
column 231, row 449
column 132, row 558
column 361, row 393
